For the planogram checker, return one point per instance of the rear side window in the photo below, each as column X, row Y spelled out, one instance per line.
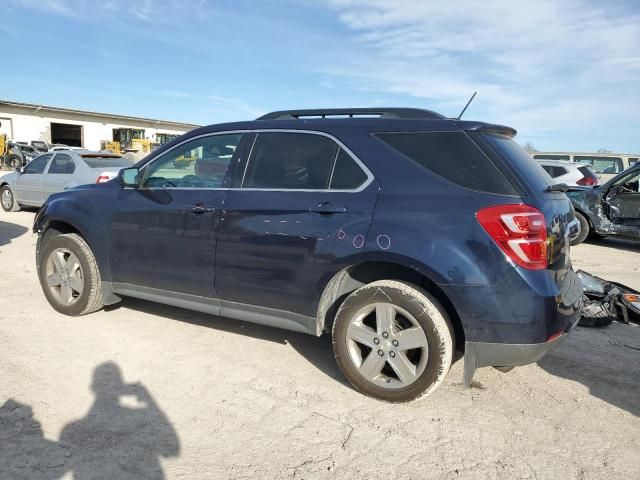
column 62, row 164
column 601, row 164
column 291, row 161
column 632, row 161
column 347, row 174
column 453, row 156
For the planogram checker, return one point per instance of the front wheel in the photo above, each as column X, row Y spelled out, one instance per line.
column 8, row 200
column 584, row 230
column 69, row 275
column 393, row 341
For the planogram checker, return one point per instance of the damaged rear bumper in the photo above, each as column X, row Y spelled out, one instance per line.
column 507, row 355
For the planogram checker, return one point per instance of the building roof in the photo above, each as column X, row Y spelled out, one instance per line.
column 49, row 108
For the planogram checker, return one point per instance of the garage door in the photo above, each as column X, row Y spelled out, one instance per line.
column 66, row 134
column 5, row 127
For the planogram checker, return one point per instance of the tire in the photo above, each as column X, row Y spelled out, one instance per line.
column 584, row 230
column 8, row 200
column 13, row 161
column 411, row 310
column 78, row 290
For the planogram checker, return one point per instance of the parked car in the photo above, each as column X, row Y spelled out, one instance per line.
column 57, row 148
column 610, row 209
column 406, row 236
column 605, row 165
column 40, row 146
column 19, row 154
column 54, row 172
column 569, row 173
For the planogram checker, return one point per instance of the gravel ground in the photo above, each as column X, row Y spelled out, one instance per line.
column 147, row 391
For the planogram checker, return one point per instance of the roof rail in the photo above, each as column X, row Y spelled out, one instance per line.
column 351, row 113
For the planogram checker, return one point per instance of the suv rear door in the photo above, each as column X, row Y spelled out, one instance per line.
column 299, row 211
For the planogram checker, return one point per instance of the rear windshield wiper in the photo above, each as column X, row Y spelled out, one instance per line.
column 558, row 187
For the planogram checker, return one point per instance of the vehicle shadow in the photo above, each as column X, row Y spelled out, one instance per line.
column 317, row 351
column 604, row 360
column 617, row 243
column 9, row 231
column 116, row 439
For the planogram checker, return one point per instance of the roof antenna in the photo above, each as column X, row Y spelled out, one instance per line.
column 465, row 107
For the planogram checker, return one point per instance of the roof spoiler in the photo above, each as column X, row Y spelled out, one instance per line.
column 488, row 128
column 415, row 113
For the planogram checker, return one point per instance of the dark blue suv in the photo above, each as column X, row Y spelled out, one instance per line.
column 407, row 235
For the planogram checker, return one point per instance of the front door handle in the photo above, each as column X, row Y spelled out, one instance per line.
column 199, row 209
column 327, row 208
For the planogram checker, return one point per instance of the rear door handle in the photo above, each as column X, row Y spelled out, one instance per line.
column 199, row 209
column 327, row 208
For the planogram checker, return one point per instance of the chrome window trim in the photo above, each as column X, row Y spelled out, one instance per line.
column 340, row 144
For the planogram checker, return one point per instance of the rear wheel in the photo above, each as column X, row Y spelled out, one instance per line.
column 8, row 200
column 584, row 229
column 393, row 341
column 69, row 275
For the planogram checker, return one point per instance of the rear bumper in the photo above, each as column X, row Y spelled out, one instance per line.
column 480, row 354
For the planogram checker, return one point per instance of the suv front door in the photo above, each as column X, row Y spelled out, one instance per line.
column 163, row 234
column 299, row 211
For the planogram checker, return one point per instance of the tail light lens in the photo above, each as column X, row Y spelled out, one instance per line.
column 588, row 181
column 103, row 178
column 520, row 231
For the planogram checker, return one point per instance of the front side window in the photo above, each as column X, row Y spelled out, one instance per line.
column 200, row 163
column 61, row 164
column 631, row 183
column 290, row 161
column 38, row 165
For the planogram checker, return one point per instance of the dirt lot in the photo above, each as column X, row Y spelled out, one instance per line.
column 205, row 397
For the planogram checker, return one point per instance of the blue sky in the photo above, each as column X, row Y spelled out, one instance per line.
column 565, row 73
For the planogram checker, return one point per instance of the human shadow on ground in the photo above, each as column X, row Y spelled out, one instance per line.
column 317, row 351
column 9, row 231
column 604, row 359
column 123, row 436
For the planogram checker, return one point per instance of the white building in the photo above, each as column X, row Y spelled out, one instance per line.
column 24, row 122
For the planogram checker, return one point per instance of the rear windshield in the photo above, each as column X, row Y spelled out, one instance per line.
column 451, row 155
column 530, row 170
column 587, row 172
column 106, row 161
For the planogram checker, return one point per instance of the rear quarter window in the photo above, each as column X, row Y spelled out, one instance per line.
column 453, row 156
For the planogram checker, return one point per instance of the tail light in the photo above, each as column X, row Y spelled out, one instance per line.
column 520, row 231
column 103, row 178
column 588, row 181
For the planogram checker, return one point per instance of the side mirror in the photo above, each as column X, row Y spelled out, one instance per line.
column 130, row 177
column 19, row 170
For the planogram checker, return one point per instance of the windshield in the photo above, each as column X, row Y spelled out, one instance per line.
column 106, row 161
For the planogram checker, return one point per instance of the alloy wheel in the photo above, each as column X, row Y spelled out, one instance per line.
column 64, row 276
column 7, row 199
column 387, row 345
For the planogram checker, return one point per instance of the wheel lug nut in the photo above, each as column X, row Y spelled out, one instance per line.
column 381, row 353
column 392, row 354
column 395, row 343
column 385, row 334
column 376, row 341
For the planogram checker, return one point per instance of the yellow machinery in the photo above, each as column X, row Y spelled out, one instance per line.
column 3, row 144
column 113, row 147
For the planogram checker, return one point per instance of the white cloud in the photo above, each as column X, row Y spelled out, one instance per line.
column 542, row 66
